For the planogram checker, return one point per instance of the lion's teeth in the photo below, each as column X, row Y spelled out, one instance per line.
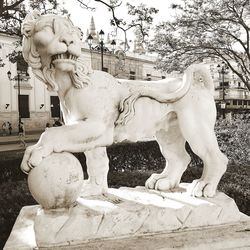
column 64, row 56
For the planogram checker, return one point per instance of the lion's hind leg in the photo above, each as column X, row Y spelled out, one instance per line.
column 201, row 138
column 215, row 164
column 172, row 145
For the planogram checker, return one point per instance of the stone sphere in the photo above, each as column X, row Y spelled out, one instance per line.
column 57, row 181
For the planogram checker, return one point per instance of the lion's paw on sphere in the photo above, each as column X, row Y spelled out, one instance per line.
column 57, row 181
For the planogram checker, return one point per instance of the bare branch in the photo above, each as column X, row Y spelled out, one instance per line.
column 122, row 25
column 85, row 5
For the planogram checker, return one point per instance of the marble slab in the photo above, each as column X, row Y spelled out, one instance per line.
column 124, row 212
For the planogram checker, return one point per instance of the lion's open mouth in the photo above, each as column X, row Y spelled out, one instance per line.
column 64, row 56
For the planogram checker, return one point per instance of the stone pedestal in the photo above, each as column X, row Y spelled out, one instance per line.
column 124, row 213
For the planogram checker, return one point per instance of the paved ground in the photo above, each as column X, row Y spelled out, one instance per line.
column 12, row 143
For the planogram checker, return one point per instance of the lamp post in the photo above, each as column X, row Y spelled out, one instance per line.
column 101, row 46
column 222, row 70
column 19, row 78
column 101, row 35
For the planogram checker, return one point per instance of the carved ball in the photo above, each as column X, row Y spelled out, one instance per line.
column 57, row 181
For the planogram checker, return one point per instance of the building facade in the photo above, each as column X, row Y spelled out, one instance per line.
column 231, row 95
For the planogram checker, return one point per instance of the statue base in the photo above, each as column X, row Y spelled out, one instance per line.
column 133, row 216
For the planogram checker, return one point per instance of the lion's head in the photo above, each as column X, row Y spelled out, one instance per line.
column 52, row 43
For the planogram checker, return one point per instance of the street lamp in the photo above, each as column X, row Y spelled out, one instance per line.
column 19, row 78
column 113, row 44
column 101, row 35
column 101, row 46
column 222, row 70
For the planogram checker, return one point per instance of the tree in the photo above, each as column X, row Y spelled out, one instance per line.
column 206, row 29
column 141, row 18
column 5, row 7
column 12, row 15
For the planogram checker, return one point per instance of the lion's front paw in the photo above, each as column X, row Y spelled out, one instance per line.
column 33, row 157
column 201, row 188
column 160, row 182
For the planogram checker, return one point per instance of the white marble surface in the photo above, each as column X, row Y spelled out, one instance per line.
column 124, row 212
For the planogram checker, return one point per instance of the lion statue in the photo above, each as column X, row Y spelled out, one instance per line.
column 100, row 110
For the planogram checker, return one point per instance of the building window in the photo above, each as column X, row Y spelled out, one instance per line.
column 55, row 107
column 245, row 102
column 132, row 75
column 235, row 102
column 149, row 77
column 226, row 84
column 105, row 69
column 24, row 110
column 163, row 77
column 239, row 102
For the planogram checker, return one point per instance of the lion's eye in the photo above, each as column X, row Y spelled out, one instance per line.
column 43, row 27
column 43, row 36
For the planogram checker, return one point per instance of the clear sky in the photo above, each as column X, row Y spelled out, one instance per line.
column 81, row 17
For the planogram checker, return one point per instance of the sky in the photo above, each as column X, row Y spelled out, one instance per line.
column 81, row 17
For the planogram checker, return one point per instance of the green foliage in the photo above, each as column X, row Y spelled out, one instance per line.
column 11, row 20
column 136, row 156
column 13, row 196
column 143, row 20
column 234, row 139
column 9, row 170
column 235, row 183
column 202, row 29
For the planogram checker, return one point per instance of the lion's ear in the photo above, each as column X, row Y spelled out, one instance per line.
column 29, row 23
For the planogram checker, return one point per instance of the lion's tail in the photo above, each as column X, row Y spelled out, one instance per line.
column 199, row 76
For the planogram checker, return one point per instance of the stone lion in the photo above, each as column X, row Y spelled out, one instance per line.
column 100, row 110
